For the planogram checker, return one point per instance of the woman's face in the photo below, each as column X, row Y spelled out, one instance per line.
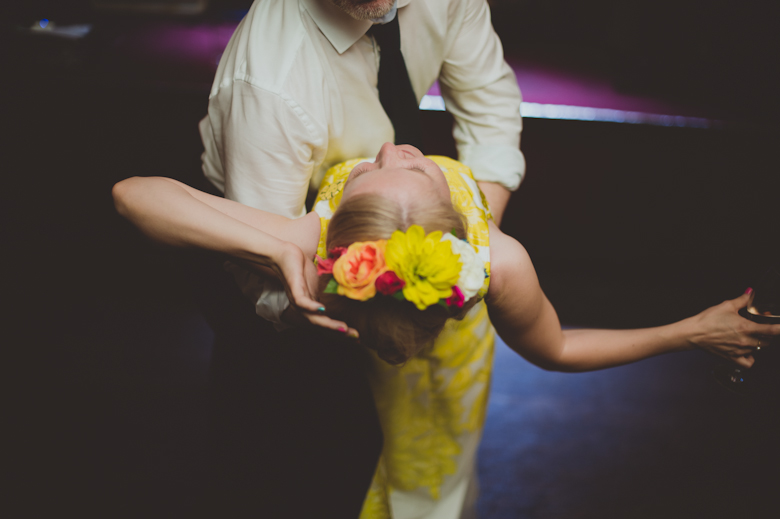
column 400, row 173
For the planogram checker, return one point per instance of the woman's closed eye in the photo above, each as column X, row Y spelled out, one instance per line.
column 418, row 167
column 359, row 170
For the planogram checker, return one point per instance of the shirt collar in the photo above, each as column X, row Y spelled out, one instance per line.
column 341, row 30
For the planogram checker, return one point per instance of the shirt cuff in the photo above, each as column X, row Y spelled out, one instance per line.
column 272, row 303
column 267, row 293
column 503, row 165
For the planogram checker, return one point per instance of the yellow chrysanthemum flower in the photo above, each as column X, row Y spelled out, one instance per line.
column 426, row 263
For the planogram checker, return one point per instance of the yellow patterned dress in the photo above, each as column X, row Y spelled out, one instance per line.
column 432, row 408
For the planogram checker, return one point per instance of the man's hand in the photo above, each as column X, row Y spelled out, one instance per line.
column 497, row 197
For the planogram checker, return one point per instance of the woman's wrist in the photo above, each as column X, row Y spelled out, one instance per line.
column 683, row 334
column 262, row 252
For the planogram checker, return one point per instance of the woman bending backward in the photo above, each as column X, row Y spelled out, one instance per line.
column 409, row 260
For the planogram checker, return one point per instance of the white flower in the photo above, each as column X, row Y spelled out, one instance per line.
column 472, row 274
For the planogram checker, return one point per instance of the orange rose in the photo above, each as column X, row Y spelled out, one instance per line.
column 357, row 269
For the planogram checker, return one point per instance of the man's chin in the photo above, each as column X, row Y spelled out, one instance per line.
column 364, row 9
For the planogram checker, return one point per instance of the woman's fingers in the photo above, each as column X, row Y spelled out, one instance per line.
column 295, row 317
column 299, row 275
column 742, row 300
column 766, row 333
column 745, row 362
column 729, row 335
column 305, row 303
column 738, row 352
column 295, row 278
column 332, row 324
column 314, row 313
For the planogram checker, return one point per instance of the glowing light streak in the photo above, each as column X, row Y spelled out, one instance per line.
column 584, row 113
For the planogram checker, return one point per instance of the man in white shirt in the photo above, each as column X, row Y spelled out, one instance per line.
column 295, row 93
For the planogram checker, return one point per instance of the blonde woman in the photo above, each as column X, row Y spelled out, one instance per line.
column 409, row 260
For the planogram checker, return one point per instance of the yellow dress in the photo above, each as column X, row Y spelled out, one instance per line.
column 432, row 409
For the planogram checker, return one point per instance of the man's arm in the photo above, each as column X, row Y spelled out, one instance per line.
column 260, row 148
column 481, row 92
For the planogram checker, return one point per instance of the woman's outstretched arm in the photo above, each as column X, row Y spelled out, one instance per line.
column 175, row 214
column 528, row 323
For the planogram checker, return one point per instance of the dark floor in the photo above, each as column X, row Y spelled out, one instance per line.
column 627, row 225
column 656, row 439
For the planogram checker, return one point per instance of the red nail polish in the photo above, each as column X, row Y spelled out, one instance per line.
column 342, row 329
column 749, row 290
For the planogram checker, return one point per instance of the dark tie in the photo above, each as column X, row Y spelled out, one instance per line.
column 395, row 88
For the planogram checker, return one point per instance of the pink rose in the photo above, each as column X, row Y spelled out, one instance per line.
column 336, row 252
column 357, row 269
column 325, row 266
column 456, row 298
column 389, row 283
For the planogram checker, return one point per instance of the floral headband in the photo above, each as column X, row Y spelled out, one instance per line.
column 425, row 270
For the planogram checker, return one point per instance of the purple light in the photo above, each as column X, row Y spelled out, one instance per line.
column 43, row 23
column 176, row 49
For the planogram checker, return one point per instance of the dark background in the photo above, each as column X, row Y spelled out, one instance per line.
column 628, row 226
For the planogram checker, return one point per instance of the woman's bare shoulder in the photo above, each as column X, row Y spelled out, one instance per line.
column 511, row 268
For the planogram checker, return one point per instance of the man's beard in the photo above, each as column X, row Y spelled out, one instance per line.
column 364, row 9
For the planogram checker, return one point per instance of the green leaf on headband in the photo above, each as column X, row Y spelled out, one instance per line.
column 443, row 302
column 399, row 295
column 333, row 287
column 454, row 232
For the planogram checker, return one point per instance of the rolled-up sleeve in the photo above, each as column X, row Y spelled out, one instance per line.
column 260, row 148
column 480, row 90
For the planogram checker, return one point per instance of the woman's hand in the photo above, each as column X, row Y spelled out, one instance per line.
column 175, row 214
column 723, row 332
column 299, row 276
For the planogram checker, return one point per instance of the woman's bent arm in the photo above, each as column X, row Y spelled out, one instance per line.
column 525, row 319
column 174, row 214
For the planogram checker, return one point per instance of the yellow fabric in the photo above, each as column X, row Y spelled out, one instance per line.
column 432, row 408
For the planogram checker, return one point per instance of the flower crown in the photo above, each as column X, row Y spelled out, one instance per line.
column 423, row 269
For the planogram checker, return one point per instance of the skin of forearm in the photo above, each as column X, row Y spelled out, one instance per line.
column 591, row 349
column 267, row 222
column 497, row 197
column 578, row 350
column 168, row 214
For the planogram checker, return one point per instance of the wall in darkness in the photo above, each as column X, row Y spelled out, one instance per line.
column 721, row 53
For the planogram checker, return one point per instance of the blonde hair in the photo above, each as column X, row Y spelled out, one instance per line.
column 397, row 330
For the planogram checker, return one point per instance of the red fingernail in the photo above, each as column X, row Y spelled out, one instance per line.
column 749, row 290
column 342, row 329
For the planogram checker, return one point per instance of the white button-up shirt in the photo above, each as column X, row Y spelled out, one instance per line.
column 296, row 92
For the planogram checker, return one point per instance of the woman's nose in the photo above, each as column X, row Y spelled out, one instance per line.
column 387, row 153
